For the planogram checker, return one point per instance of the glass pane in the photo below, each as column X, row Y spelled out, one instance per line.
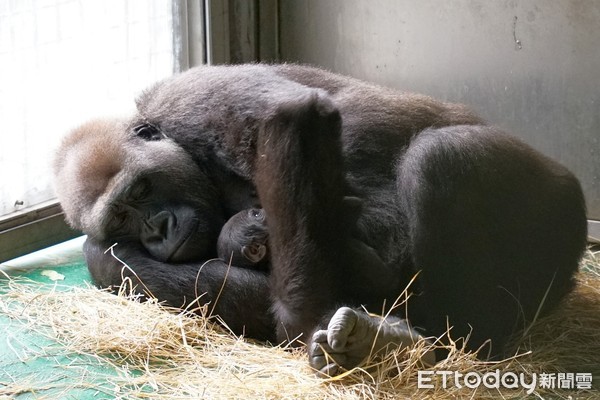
column 63, row 62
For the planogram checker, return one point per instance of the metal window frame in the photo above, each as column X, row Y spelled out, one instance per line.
column 594, row 231
column 32, row 229
column 189, row 38
column 241, row 31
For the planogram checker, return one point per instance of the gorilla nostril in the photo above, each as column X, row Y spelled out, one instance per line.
column 162, row 223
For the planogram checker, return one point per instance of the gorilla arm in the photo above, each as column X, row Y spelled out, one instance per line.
column 299, row 181
column 240, row 297
column 316, row 263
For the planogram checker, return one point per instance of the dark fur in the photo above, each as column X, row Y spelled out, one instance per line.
column 493, row 227
column 248, row 229
column 243, row 231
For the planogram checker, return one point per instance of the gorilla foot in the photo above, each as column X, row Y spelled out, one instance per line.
column 352, row 336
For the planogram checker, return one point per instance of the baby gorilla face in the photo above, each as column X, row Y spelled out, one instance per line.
column 244, row 240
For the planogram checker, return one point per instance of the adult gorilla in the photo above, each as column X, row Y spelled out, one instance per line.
column 494, row 228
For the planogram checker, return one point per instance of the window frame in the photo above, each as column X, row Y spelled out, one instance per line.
column 32, row 229
column 241, row 31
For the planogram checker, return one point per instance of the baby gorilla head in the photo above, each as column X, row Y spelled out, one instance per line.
column 244, row 240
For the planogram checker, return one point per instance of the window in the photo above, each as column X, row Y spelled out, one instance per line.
column 63, row 62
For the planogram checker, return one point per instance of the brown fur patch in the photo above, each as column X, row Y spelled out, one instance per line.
column 86, row 163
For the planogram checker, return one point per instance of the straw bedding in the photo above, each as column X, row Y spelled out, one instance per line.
column 160, row 353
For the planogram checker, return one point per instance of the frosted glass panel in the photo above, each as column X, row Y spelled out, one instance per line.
column 61, row 63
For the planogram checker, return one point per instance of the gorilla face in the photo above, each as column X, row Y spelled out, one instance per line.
column 171, row 229
column 136, row 184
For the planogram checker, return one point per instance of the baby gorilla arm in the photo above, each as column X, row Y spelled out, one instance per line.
column 352, row 336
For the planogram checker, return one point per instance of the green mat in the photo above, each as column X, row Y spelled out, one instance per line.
column 32, row 366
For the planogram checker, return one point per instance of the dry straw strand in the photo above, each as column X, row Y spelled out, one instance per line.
column 162, row 353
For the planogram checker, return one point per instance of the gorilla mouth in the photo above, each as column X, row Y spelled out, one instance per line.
column 193, row 244
column 182, row 247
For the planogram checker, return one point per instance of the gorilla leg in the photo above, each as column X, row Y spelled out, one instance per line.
column 496, row 228
column 497, row 231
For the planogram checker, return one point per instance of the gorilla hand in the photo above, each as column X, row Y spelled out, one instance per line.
column 352, row 336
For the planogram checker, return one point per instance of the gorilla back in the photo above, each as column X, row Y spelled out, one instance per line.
column 485, row 235
column 495, row 228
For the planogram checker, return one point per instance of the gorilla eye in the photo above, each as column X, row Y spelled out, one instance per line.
column 257, row 213
column 148, row 132
column 117, row 221
column 140, row 190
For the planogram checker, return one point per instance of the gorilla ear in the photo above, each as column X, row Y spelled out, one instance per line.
column 254, row 252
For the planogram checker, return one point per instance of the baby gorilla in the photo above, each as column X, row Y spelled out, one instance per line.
column 243, row 240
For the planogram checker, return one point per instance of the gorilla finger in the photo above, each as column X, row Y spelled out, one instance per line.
column 340, row 328
column 330, row 370
column 321, row 355
column 316, row 349
column 318, row 362
column 319, row 336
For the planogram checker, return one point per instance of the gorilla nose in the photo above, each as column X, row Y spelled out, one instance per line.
column 162, row 223
column 157, row 234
